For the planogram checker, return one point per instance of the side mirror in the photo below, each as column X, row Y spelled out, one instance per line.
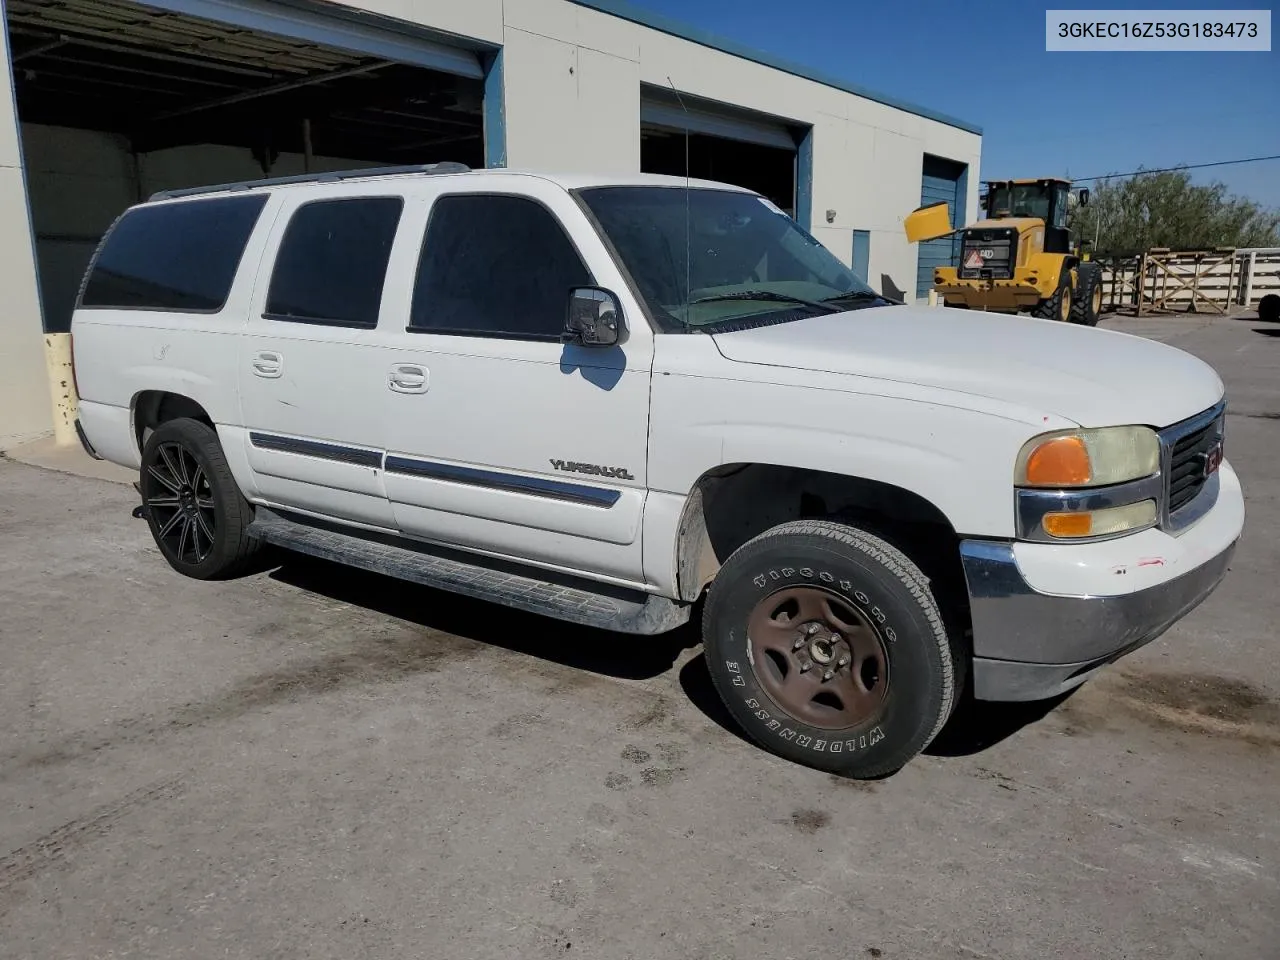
column 595, row 318
column 1084, row 198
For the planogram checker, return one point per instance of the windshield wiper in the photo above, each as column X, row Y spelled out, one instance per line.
column 767, row 295
column 856, row 295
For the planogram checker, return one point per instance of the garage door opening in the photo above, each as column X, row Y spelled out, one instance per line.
column 732, row 146
column 118, row 100
column 942, row 181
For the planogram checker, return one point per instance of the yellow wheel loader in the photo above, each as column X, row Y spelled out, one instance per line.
column 1020, row 257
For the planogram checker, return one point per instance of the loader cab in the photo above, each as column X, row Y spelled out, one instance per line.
column 1047, row 199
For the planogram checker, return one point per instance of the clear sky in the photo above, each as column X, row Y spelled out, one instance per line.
column 1041, row 113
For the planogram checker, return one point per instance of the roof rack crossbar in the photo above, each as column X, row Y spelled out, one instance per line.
column 447, row 166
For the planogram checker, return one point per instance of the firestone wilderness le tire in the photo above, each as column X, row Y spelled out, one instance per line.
column 1058, row 306
column 1086, row 306
column 827, row 646
column 196, row 512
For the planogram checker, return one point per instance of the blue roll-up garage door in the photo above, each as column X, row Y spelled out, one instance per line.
column 944, row 181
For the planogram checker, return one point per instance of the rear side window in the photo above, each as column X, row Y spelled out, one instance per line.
column 333, row 261
column 498, row 266
column 175, row 256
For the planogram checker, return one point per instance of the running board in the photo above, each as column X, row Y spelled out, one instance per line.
column 564, row 598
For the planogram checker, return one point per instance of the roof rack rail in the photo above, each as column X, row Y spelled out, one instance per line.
column 446, row 166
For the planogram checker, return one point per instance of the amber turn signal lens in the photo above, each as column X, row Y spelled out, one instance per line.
column 1106, row 522
column 1062, row 462
column 1068, row 524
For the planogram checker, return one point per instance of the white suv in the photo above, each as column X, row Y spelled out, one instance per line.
column 604, row 399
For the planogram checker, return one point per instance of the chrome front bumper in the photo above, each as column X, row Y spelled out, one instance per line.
column 1030, row 645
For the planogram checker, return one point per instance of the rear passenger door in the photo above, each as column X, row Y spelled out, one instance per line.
column 509, row 441
column 311, row 373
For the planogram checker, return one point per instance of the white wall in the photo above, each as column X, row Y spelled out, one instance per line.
column 573, row 103
column 26, row 410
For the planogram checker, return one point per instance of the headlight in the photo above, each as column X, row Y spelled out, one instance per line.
column 1088, row 458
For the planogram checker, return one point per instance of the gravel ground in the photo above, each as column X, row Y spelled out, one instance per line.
column 316, row 762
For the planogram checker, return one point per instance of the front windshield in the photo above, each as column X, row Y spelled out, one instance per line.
column 1026, row 200
column 740, row 247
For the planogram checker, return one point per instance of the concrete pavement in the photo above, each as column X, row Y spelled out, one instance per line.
column 312, row 761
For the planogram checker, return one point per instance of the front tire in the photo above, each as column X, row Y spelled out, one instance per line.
column 197, row 515
column 1058, row 306
column 1087, row 305
column 827, row 646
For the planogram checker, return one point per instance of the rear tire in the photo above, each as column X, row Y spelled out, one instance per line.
column 1087, row 304
column 1058, row 306
column 827, row 646
column 197, row 515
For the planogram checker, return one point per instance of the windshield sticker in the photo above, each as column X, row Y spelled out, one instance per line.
column 770, row 205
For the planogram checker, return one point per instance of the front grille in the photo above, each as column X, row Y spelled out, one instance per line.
column 985, row 258
column 1187, row 457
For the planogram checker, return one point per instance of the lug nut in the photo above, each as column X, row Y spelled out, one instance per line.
column 828, row 675
column 844, row 662
column 798, row 644
column 812, row 629
column 804, row 667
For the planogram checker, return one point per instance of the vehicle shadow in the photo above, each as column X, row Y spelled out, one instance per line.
column 974, row 726
column 695, row 681
column 583, row 648
column 1268, row 331
column 978, row 725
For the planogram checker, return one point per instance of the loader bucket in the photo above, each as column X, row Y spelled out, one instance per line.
column 928, row 223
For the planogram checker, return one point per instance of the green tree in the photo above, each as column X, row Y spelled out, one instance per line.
column 1131, row 214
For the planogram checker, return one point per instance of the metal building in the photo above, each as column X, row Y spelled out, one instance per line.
column 111, row 100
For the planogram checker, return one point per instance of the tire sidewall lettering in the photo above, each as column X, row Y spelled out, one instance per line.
column 848, row 743
column 778, row 575
column 780, row 725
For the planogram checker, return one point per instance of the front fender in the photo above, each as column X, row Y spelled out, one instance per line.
column 961, row 461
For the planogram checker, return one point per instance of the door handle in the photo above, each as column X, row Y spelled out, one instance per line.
column 408, row 378
column 268, row 364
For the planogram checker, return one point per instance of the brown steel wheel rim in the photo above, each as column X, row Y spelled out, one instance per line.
column 818, row 657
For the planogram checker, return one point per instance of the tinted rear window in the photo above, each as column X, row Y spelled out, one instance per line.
column 175, row 256
column 333, row 261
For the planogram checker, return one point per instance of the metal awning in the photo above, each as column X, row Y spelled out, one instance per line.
column 165, row 77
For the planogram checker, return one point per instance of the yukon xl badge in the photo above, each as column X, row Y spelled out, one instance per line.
column 572, row 466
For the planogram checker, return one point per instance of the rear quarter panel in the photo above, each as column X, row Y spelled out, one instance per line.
column 119, row 354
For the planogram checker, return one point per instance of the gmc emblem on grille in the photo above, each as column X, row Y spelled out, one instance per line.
column 1212, row 458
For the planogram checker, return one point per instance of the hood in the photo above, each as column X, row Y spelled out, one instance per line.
column 1092, row 377
column 1021, row 224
